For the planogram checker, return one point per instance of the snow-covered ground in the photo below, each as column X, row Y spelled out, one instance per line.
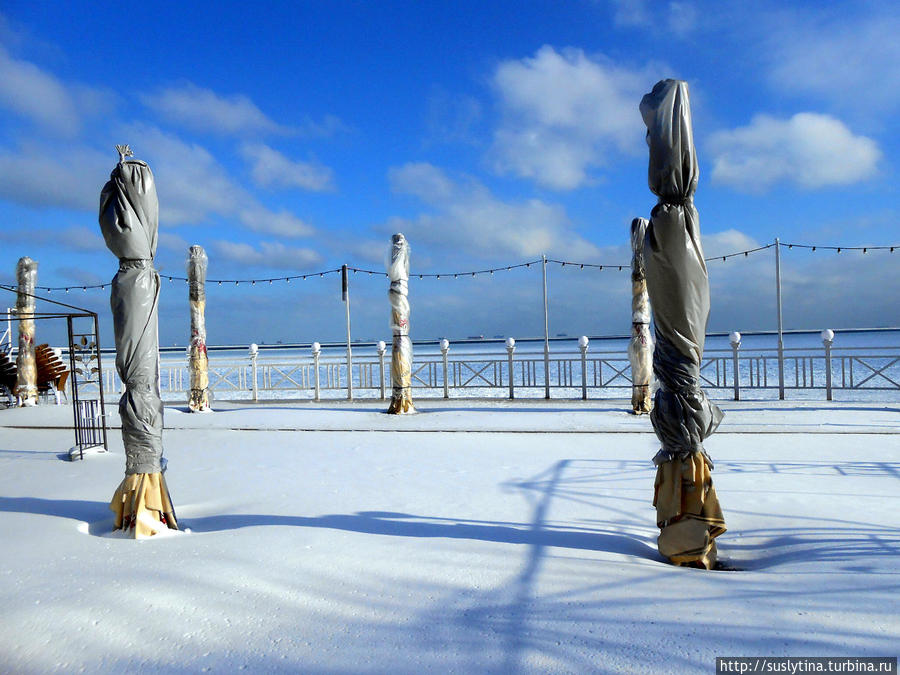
column 474, row 536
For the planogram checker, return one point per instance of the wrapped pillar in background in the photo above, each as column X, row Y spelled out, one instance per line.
column 129, row 220
column 198, row 361
column 640, row 348
column 401, row 354
column 687, row 508
column 26, row 379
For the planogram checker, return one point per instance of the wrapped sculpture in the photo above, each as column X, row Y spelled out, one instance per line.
column 687, row 508
column 129, row 218
column 401, row 354
column 640, row 348
column 26, row 379
column 198, row 361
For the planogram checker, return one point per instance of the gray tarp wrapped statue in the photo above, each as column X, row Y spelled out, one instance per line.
column 129, row 216
column 688, row 511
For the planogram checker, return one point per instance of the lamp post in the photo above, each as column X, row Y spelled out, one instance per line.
column 510, row 348
column 735, row 339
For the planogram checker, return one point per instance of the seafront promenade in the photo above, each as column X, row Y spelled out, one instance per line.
column 473, row 536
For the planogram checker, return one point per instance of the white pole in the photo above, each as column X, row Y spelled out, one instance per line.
column 735, row 339
column 316, row 350
column 445, row 347
column 546, row 331
column 780, row 336
column 583, row 343
column 827, row 341
column 253, row 351
column 510, row 348
column 345, row 292
column 381, row 349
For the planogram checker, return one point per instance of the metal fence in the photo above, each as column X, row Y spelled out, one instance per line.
column 725, row 373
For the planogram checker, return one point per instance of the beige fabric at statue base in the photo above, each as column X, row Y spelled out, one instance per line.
column 641, row 400
column 142, row 505
column 687, row 511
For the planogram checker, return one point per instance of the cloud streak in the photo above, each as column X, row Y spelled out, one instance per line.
column 469, row 218
column 271, row 169
column 810, row 150
column 565, row 113
column 42, row 98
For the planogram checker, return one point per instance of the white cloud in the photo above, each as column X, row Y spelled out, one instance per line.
column 205, row 110
column 469, row 218
column 272, row 169
column 565, row 113
column 190, row 183
column 850, row 59
column 678, row 18
column 39, row 96
column 192, row 186
column 809, row 149
column 269, row 254
column 173, row 242
column 39, row 176
column 726, row 242
column 72, row 238
column 281, row 223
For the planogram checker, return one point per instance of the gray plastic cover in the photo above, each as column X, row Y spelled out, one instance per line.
column 677, row 280
column 129, row 218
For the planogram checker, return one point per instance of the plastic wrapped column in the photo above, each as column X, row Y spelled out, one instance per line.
column 26, row 379
column 198, row 363
column 129, row 218
column 688, row 511
column 640, row 348
column 401, row 354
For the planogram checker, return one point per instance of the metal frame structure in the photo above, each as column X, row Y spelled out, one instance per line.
column 89, row 422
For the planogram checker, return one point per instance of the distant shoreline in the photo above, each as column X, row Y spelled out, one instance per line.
column 499, row 340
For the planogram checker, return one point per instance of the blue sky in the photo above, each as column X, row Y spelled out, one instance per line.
column 289, row 138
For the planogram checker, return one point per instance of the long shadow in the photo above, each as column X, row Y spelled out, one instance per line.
column 96, row 514
column 367, row 522
column 404, row 525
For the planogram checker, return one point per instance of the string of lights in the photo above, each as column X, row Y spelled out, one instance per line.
column 472, row 273
column 864, row 249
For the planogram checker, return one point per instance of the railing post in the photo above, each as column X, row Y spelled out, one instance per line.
column 445, row 347
column 381, row 349
column 583, row 343
column 828, row 340
column 316, row 350
column 735, row 339
column 510, row 348
column 253, row 385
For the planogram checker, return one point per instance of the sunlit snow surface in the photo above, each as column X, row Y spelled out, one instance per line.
column 472, row 537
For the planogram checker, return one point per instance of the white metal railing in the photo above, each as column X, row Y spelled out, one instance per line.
column 491, row 374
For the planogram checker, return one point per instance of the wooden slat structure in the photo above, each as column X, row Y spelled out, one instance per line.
column 52, row 372
column 7, row 373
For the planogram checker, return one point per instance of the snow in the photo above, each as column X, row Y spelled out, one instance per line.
column 485, row 536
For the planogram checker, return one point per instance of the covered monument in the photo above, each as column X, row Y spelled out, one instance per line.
column 401, row 352
column 640, row 347
column 26, row 390
column 198, row 361
column 687, row 509
column 129, row 218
